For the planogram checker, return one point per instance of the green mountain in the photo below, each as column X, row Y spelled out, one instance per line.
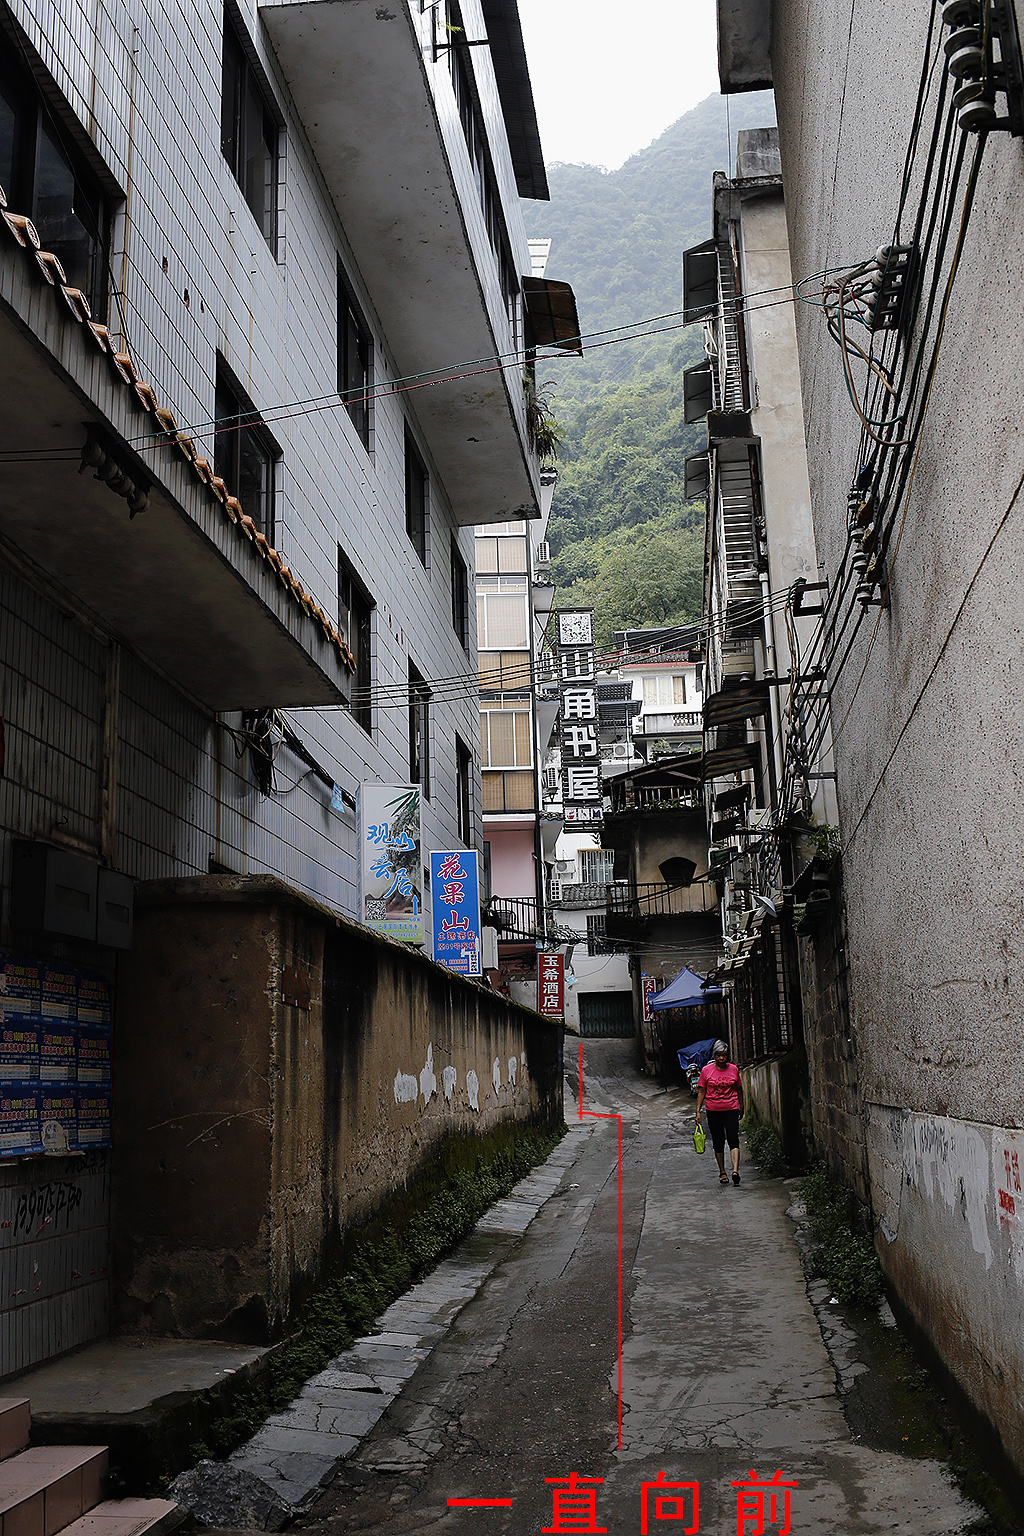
column 623, row 537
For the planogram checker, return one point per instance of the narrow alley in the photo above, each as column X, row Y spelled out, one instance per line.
column 724, row 1369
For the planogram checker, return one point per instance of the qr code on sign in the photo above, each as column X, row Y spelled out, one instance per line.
column 375, row 907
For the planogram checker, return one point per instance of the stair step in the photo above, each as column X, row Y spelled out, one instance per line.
column 15, row 1425
column 43, row 1489
column 127, row 1517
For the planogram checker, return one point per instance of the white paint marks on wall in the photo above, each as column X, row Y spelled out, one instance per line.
column 406, row 1088
column 522, row 1066
column 449, row 1077
column 428, row 1082
column 512, row 1071
column 473, row 1088
column 496, row 1074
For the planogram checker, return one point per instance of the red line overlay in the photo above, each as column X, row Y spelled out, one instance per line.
column 593, row 1114
column 479, row 1503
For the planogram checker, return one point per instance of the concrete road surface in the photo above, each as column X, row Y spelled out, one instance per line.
column 724, row 1373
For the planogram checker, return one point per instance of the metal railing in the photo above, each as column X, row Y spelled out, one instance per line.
column 627, row 796
column 581, row 895
column 639, row 903
column 515, row 917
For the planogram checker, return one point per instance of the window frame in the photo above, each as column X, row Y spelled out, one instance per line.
column 251, row 87
column 460, row 596
column 355, row 623
column 464, row 790
column 419, row 731
column 417, row 499
column 33, row 118
column 228, row 445
column 351, row 319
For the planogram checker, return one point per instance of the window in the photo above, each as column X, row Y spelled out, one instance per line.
column 355, row 607
column 244, row 453
column 597, row 943
column 248, row 134
column 596, row 866
column 45, row 176
column 355, row 360
column 464, row 766
column 506, row 738
column 664, row 691
column 503, row 621
column 419, row 732
column 460, row 596
column 501, row 555
column 415, row 498
column 505, row 672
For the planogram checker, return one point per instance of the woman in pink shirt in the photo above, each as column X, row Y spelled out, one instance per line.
column 721, row 1085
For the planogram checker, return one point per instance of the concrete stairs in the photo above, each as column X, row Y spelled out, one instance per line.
column 46, row 1489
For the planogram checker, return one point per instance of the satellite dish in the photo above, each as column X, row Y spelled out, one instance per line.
column 765, row 904
column 678, row 871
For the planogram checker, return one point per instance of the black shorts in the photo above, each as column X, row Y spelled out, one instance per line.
column 724, row 1124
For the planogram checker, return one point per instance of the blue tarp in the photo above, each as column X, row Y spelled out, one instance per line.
column 687, row 991
column 697, row 1055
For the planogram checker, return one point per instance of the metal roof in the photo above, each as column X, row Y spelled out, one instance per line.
column 508, row 55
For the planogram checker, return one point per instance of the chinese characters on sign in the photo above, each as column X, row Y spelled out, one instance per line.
column 648, row 987
column 390, row 873
column 762, row 1505
column 455, row 900
column 550, row 984
column 581, row 750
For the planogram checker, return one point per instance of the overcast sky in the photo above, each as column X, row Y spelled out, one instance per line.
column 608, row 78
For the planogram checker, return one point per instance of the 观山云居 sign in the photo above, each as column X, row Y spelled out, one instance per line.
column 390, row 871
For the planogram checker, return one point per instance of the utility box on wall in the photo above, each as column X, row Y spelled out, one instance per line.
column 54, row 891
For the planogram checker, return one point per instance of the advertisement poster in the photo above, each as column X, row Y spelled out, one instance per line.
column 455, row 903
column 551, row 984
column 648, row 987
column 390, row 867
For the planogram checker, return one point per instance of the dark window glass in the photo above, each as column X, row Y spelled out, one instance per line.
column 248, row 135
column 355, row 607
column 464, row 760
column 419, row 732
column 355, row 356
column 415, row 498
column 243, row 456
column 43, row 176
column 460, row 595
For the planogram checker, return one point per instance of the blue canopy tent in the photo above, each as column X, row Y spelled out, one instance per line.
column 698, row 1054
column 687, row 991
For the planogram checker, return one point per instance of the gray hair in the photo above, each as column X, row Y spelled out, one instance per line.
column 720, row 1045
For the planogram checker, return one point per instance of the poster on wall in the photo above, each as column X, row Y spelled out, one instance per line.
column 455, row 905
column 390, row 869
column 551, row 984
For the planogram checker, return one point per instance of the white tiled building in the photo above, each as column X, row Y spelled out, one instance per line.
column 265, row 267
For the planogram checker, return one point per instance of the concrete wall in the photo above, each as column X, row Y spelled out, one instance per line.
column 513, row 865
column 250, row 1134
column 928, row 762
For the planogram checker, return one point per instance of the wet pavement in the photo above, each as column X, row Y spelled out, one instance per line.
column 725, row 1372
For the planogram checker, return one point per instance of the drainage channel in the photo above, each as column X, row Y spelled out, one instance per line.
column 896, row 1395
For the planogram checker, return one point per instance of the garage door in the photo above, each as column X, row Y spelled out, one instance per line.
column 606, row 1013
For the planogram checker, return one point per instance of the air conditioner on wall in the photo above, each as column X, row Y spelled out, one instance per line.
column 563, row 866
column 543, row 555
column 620, row 749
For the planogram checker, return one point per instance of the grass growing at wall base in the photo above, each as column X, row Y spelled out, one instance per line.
column 846, row 1257
column 414, row 1230
column 765, row 1148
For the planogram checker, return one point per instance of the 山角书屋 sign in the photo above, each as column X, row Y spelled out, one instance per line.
column 455, row 905
column 390, row 868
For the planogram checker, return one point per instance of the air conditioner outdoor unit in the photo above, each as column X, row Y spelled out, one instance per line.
column 620, row 749
column 564, row 866
column 543, row 555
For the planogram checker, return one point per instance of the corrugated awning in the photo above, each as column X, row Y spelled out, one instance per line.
column 732, row 707
column 551, row 307
column 512, row 76
column 730, row 760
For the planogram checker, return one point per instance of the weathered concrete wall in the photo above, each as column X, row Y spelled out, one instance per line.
column 252, row 1133
column 776, row 1095
column 928, row 761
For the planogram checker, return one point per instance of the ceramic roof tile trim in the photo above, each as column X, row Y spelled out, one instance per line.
column 49, row 266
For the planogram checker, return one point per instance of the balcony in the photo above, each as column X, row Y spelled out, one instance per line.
column 182, row 578
column 631, row 909
column 384, row 126
column 668, row 724
column 581, row 896
column 627, row 794
column 514, row 917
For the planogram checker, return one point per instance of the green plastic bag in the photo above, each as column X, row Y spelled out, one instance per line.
column 699, row 1139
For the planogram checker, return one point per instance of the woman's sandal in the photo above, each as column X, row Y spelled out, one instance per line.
column 735, row 1178
column 723, row 1178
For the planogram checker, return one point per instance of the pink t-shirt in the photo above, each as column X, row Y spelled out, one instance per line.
column 721, row 1086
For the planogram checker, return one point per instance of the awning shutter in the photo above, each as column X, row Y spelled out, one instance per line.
column 551, row 307
column 700, row 281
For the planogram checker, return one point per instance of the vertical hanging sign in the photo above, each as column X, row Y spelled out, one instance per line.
column 455, row 904
column 648, row 987
column 551, row 984
column 390, row 871
column 581, row 751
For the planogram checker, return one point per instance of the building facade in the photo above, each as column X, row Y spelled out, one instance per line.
column 236, row 529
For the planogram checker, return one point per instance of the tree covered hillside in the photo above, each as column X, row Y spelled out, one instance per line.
column 622, row 535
